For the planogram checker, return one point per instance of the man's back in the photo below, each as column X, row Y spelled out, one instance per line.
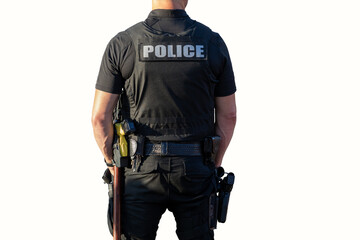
column 174, row 72
column 177, row 75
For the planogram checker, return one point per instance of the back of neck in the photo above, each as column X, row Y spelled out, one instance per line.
column 167, row 4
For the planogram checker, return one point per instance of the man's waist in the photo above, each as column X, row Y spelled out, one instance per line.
column 167, row 148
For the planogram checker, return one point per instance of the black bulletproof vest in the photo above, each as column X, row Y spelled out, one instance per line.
column 171, row 90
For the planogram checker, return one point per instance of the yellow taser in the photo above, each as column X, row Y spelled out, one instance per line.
column 121, row 140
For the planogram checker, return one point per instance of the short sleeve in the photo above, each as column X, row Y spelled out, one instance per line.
column 109, row 78
column 225, row 74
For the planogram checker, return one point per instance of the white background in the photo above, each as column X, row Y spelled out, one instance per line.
column 295, row 151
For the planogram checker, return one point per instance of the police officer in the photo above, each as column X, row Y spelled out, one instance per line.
column 179, row 89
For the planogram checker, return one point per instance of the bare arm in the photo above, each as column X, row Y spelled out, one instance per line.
column 225, row 109
column 101, row 119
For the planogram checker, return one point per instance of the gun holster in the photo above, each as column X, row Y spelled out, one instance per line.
column 219, row 200
column 226, row 185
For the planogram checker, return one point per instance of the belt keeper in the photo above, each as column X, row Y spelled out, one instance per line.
column 215, row 144
column 140, row 145
column 211, row 147
column 208, row 145
column 164, row 148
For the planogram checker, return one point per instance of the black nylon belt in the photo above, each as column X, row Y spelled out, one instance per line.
column 173, row 149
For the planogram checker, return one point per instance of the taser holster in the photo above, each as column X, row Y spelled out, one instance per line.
column 127, row 127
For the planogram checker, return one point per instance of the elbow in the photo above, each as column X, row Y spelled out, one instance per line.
column 227, row 119
column 97, row 119
column 231, row 117
column 225, row 109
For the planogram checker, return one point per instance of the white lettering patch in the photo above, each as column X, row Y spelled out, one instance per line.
column 171, row 52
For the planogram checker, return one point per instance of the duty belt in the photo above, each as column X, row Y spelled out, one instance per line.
column 173, row 149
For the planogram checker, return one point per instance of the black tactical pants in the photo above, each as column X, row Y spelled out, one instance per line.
column 181, row 184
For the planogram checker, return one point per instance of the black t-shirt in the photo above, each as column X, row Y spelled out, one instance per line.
column 118, row 60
